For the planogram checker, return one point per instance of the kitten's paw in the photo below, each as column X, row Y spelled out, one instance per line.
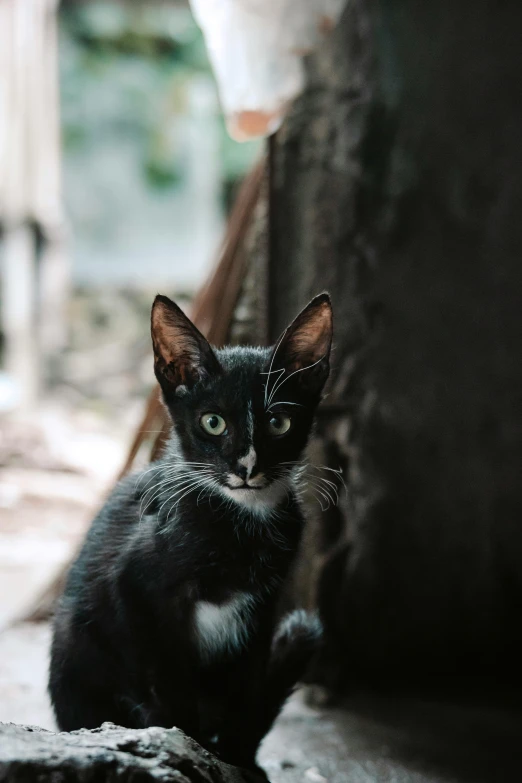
column 296, row 640
column 300, row 629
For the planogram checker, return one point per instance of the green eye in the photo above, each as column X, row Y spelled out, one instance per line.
column 213, row 423
column 279, row 424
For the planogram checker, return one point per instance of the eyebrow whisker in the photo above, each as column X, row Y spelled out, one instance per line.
column 277, row 385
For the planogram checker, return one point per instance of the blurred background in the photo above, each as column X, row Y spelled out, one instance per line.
column 116, row 178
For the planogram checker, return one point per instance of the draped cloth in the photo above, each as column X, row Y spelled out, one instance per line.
column 256, row 49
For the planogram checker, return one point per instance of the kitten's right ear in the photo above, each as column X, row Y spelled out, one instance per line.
column 182, row 356
column 303, row 351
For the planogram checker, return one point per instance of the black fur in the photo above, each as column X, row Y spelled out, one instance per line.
column 126, row 646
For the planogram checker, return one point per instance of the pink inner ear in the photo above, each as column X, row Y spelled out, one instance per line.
column 176, row 353
column 182, row 355
column 173, row 347
column 310, row 336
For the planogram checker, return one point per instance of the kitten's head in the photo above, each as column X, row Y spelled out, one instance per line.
column 243, row 415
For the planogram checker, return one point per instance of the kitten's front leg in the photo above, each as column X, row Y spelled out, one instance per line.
column 242, row 684
column 164, row 652
column 265, row 681
column 174, row 693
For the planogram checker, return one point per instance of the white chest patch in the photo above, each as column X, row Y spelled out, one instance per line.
column 223, row 627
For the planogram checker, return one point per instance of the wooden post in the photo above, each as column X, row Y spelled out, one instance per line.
column 18, row 312
column 34, row 279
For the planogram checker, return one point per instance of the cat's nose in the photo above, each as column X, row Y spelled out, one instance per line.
column 245, row 472
column 241, row 471
column 246, row 466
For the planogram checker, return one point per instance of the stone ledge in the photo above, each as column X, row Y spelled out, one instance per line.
column 110, row 753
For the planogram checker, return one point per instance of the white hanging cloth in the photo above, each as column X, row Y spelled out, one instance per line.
column 256, row 49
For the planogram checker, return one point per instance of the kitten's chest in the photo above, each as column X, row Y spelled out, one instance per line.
column 225, row 627
column 230, row 567
column 236, row 584
column 225, row 622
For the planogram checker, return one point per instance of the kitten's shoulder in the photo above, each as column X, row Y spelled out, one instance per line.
column 111, row 533
column 121, row 509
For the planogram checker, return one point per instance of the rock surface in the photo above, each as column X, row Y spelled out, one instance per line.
column 110, row 753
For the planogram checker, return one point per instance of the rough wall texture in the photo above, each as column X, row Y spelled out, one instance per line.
column 397, row 185
column 111, row 754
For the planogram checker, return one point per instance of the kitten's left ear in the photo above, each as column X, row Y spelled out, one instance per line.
column 182, row 356
column 304, row 348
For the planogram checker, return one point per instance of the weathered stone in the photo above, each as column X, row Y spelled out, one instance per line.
column 110, row 753
column 396, row 186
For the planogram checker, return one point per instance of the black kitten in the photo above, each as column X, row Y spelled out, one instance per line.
column 169, row 613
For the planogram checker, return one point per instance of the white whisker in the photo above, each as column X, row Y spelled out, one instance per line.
column 323, row 490
column 278, row 402
column 271, row 364
column 171, row 479
column 338, row 472
column 180, row 488
column 277, row 385
column 187, row 490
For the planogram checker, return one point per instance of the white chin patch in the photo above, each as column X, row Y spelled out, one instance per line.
column 259, row 501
